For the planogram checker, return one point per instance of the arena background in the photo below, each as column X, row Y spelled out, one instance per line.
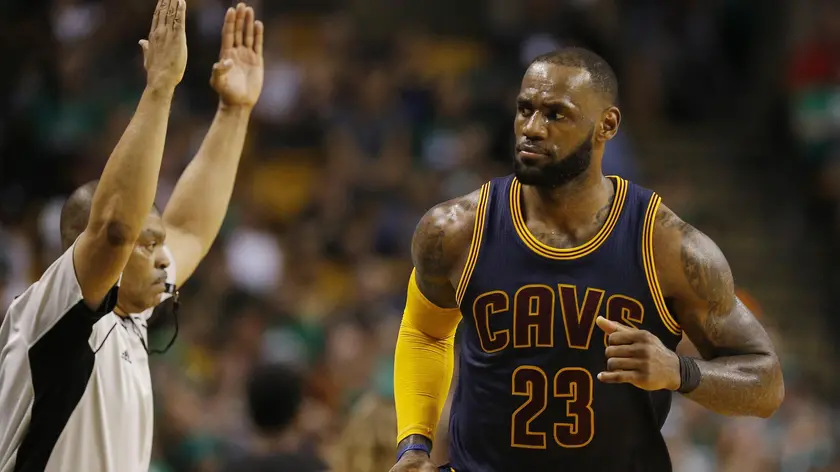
column 375, row 110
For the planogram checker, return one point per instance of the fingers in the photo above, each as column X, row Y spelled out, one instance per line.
column 626, row 350
column 624, row 357
column 221, row 67
column 249, row 28
column 624, row 337
column 156, row 17
column 180, row 15
column 219, row 70
column 624, row 376
column 240, row 25
column 609, row 326
column 163, row 13
column 258, row 40
column 241, row 29
column 228, row 29
column 170, row 15
column 623, row 363
column 144, row 45
column 171, row 11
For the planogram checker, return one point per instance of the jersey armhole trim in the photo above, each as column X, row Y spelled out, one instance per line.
column 475, row 244
column 650, row 267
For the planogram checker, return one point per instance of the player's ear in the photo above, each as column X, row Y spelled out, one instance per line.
column 610, row 120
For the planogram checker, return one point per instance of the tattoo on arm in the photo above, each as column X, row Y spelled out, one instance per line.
column 432, row 258
column 707, row 272
column 742, row 377
column 740, row 374
column 440, row 242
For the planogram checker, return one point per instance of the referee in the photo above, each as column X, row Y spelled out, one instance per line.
column 75, row 389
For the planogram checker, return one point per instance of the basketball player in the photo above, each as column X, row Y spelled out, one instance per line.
column 533, row 262
column 75, row 386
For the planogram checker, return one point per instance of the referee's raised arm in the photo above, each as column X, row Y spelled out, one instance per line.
column 126, row 191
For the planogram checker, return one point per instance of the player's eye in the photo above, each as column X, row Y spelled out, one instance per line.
column 525, row 110
column 556, row 116
column 151, row 246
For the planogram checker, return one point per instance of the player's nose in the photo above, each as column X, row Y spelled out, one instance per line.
column 534, row 127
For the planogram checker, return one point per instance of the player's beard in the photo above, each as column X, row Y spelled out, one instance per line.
column 558, row 172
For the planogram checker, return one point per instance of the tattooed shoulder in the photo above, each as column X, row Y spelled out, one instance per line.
column 443, row 235
column 667, row 219
column 691, row 264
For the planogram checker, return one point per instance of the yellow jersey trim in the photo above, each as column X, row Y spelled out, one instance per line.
column 650, row 267
column 587, row 248
column 475, row 244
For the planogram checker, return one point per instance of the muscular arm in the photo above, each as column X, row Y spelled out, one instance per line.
column 127, row 187
column 200, row 200
column 123, row 198
column 425, row 347
column 440, row 245
column 740, row 372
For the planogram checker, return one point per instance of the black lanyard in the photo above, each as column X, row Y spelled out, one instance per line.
column 170, row 288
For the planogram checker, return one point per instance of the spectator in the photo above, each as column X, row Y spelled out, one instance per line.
column 275, row 394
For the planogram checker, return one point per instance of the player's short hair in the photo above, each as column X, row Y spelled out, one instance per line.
column 275, row 393
column 76, row 212
column 603, row 76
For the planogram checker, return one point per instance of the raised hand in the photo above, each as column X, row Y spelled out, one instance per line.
column 639, row 358
column 165, row 52
column 238, row 76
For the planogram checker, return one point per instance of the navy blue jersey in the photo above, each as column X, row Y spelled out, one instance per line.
column 527, row 397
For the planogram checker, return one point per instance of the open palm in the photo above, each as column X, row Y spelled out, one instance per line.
column 238, row 76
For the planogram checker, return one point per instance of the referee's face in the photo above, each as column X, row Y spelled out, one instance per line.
column 144, row 277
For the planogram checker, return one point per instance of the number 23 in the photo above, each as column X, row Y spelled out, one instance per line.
column 572, row 384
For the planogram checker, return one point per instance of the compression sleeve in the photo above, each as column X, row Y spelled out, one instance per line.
column 423, row 363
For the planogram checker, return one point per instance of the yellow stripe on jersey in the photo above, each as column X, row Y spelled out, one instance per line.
column 571, row 253
column 475, row 245
column 650, row 267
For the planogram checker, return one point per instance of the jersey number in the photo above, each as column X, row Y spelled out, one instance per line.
column 574, row 386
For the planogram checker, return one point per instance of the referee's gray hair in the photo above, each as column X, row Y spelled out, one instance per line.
column 76, row 212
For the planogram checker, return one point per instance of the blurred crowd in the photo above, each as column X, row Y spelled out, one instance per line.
column 814, row 92
column 372, row 112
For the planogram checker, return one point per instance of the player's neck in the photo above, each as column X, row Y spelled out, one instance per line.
column 572, row 206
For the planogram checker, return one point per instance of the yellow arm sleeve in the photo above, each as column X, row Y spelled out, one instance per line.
column 423, row 363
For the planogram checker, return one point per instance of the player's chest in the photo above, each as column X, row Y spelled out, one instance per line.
column 517, row 310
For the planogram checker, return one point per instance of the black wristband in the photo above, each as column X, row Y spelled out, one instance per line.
column 689, row 375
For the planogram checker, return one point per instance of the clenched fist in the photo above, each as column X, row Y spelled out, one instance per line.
column 639, row 358
column 165, row 52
